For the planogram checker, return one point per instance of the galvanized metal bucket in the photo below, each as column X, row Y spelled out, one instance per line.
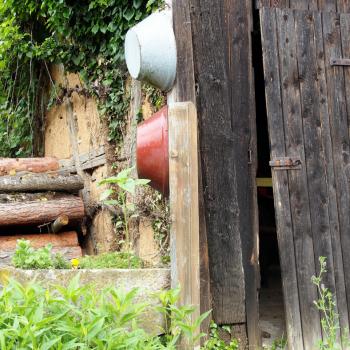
column 150, row 50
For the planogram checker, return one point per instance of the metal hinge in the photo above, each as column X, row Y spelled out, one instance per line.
column 286, row 163
column 340, row 61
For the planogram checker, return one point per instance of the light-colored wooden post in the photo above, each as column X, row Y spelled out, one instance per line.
column 183, row 157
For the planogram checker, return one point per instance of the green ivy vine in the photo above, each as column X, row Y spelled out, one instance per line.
column 86, row 36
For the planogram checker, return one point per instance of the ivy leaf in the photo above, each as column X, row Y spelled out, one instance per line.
column 137, row 4
column 76, row 60
column 95, row 28
column 128, row 14
column 103, row 29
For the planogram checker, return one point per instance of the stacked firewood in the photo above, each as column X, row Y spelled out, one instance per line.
column 40, row 203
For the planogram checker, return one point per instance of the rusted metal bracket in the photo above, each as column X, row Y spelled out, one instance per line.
column 286, row 163
column 340, row 61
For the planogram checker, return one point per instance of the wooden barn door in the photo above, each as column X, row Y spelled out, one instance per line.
column 308, row 105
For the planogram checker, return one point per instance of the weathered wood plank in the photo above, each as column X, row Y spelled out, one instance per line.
column 184, row 209
column 328, row 5
column 261, row 3
column 280, row 179
column 239, row 17
column 314, row 174
column 218, row 162
column 338, row 116
column 331, row 187
column 316, row 125
column 87, row 161
column 279, row 3
column 229, row 292
column 314, row 5
column 184, row 89
column 343, row 6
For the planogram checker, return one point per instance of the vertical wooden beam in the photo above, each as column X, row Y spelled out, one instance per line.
column 184, row 210
column 184, row 90
column 221, row 34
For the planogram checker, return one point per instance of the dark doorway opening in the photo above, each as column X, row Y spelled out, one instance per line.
column 271, row 306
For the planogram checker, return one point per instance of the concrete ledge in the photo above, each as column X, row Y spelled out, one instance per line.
column 147, row 280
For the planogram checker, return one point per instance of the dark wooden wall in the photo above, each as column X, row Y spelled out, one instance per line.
column 215, row 39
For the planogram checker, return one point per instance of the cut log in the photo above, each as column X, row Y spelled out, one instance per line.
column 67, row 252
column 59, row 223
column 37, row 209
column 31, row 182
column 35, row 165
column 64, row 239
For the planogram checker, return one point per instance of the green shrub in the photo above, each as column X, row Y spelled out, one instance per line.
column 26, row 257
column 80, row 317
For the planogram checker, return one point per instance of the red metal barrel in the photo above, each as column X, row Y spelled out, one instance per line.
column 152, row 151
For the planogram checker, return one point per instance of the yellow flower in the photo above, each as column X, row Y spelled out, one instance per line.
column 75, row 263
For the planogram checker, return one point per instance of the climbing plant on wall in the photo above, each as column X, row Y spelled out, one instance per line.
column 87, row 36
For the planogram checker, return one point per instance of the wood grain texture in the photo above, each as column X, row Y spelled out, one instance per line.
column 329, row 161
column 239, row 19
column 274, row 104
column 23, row 211
column 218, row 166
column 314, row 5
column 327, row 5
column 184, row 90
column 343, row 6
column 339, row 123
column 184, row 209
column 223, row 70
column 316, row 236
column 314, row 126
column 41, row 182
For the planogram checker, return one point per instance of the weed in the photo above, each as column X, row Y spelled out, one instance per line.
column 279, row 344
column 117, row 260
column 26, row 257
column 215, row 342
column 124, row 186
column 327, row 306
